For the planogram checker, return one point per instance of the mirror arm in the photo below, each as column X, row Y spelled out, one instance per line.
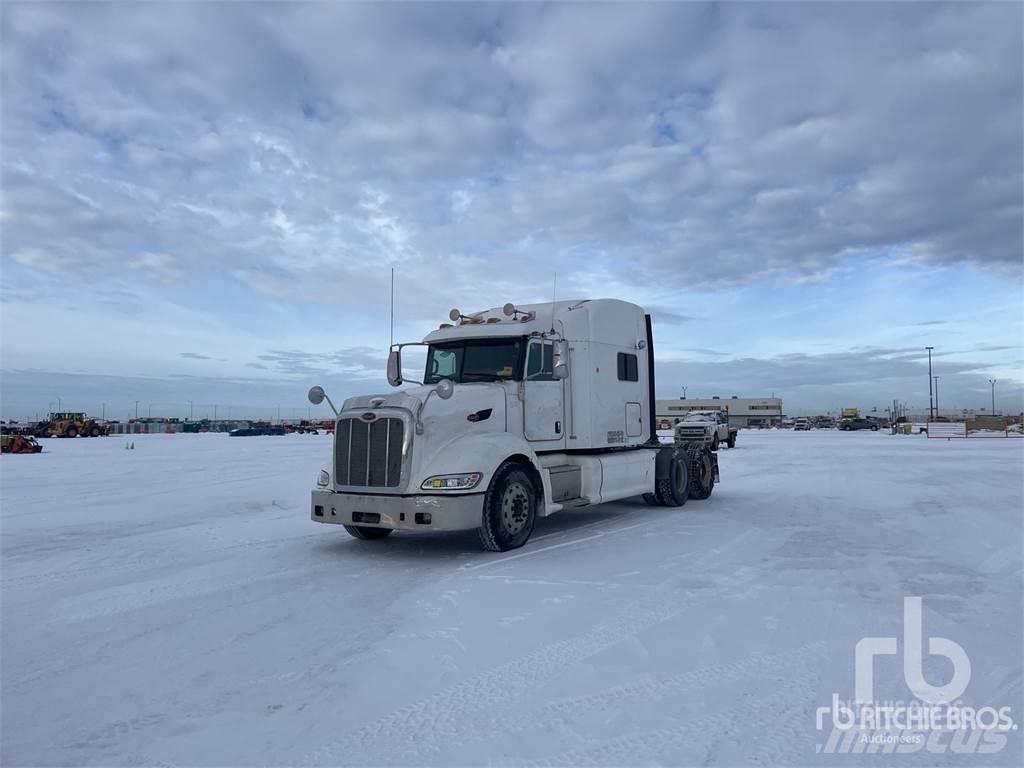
column 419, row 421
column 328, row 399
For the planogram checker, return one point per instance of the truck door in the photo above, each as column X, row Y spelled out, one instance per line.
column 543, row 409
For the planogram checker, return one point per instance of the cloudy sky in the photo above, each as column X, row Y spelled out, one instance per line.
column 203, row 202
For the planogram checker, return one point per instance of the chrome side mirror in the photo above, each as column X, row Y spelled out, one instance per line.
column 445, row 388
column 561, row 359
column 395, row 367
column 316, row 395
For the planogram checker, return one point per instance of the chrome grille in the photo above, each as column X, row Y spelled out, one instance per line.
column 692, row 433
column 368, row 453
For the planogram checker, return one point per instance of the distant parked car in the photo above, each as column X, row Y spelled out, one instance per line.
column 850, row 425
column 801, row 424
column 256, row 431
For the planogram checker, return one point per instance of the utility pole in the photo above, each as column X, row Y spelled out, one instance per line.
column 931, row 405
column 992, row 383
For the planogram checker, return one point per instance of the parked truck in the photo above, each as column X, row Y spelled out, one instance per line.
column 521, row 412
column 710, row 426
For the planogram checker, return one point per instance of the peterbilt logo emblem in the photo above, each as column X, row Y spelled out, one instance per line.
column 368, row 416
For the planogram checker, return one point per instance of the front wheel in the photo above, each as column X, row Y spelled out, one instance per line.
column 510, row 509
column 365, row 532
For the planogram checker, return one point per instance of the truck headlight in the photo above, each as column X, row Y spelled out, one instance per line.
column 451, row 482
column 324, row 479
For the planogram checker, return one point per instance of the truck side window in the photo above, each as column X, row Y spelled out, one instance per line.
column 540, row 361
column 445, row 363
column 627, row 367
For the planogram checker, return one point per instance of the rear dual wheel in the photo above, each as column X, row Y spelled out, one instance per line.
column 673, row 489
column 702, row 471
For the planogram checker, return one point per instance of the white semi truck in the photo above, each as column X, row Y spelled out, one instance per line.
column 522, row 411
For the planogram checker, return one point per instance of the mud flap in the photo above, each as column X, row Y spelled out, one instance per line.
column 714, row 461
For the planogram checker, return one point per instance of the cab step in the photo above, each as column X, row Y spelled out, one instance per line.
column 581, row 501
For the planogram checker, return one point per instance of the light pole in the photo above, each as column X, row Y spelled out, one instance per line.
column 150, row 411
column 936, row 397
column 136, row 410
column 684, row 393
column 992, row 383
column 59, row 407
column 931, row 405
column 190, row 410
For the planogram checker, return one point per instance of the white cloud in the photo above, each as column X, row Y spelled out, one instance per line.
column 300, row 151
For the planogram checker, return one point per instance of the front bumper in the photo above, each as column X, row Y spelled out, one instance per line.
column 420, row 512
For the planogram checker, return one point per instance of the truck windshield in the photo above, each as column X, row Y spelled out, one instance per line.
column 475, row 360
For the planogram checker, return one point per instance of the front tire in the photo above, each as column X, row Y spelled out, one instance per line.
column 365, row 532
column 509, row 509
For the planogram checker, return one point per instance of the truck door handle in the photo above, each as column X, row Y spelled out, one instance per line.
column 558, row 427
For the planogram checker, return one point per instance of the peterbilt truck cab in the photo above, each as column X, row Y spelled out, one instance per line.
column 520, row 412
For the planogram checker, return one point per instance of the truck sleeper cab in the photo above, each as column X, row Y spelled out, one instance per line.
column 521, row 412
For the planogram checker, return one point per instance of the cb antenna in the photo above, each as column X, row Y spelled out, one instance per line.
column 392, row 342
column 554, row 292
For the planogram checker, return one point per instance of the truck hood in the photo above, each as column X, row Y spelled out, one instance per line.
column 400, row 398
column 443, row 416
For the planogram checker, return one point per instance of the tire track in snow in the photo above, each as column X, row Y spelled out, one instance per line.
column 698, row 740
column 410, row 733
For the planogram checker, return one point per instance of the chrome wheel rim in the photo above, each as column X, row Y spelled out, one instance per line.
column 515, row 507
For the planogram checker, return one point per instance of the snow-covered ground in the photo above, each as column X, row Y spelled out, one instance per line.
column 175, row 605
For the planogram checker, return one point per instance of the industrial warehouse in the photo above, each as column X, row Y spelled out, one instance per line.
column 742, row 411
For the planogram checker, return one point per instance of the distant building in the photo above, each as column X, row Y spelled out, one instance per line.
column 743, row 411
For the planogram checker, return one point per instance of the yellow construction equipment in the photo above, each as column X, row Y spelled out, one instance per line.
column 70, row 424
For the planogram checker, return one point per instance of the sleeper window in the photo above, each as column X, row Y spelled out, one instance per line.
column 627, row 367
